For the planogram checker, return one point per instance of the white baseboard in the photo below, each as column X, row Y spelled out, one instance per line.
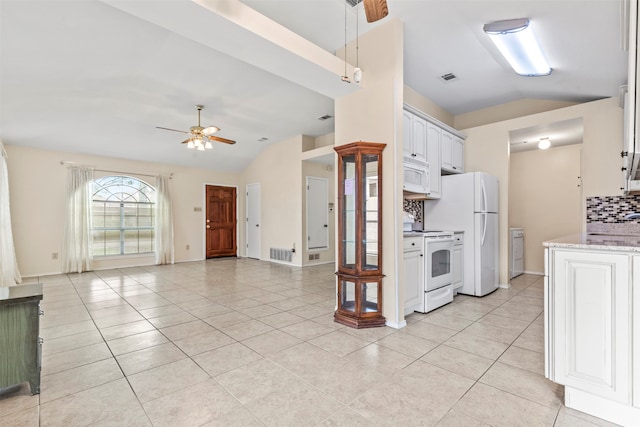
column 504, row 285
column 600, row 407
column 537, row 273
column 319, row 263
column 396, row 325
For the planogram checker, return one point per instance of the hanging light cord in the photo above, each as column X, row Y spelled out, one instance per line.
column 357, row 36
column 345, row 40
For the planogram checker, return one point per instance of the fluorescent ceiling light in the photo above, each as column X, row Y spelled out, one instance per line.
column 518, row 44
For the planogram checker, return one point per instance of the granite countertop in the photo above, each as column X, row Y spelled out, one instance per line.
column 15, row 293
column 611, row 242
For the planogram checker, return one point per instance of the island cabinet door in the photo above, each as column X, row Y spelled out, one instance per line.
column 636, row 331
column 592, row 322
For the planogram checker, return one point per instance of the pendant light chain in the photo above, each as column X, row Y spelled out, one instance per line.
column 345, row 78
column 357, row 35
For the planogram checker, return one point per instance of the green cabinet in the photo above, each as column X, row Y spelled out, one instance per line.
column 20, row 346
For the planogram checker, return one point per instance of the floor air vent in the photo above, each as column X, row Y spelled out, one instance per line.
column 313, row 257
column 280, row 254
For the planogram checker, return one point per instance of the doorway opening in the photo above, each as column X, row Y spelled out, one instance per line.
column 545, row 186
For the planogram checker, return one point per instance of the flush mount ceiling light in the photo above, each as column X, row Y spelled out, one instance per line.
column 517, row 42
column 544, row 143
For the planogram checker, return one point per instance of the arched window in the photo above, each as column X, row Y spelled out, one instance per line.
column 123, row 216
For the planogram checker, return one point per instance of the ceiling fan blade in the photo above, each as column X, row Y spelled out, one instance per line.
column 375, row 9
column 217, row 138
column 173, row 130
column 185, row 141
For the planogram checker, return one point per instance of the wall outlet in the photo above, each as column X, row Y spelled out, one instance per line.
column 54, row 255
column 188, row 247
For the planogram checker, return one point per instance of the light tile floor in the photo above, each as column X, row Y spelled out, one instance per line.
column 238, row 342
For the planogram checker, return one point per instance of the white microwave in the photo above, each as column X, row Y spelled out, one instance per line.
column 416, row 176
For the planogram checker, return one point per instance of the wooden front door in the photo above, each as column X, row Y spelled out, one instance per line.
column 221, row 221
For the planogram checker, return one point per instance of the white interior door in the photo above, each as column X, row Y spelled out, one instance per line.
column 253, row 221
column 317, row 213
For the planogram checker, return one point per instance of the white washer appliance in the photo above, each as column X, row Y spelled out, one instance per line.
column 438, row 274
column 517, row 252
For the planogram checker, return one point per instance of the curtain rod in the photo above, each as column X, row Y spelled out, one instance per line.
column 66, row 162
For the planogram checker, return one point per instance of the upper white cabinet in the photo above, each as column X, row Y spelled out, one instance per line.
column 452, row 153
column 414, row 141
column 427, row 140
column 434, row 134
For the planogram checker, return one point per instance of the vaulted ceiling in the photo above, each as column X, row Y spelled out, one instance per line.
column 98, row 76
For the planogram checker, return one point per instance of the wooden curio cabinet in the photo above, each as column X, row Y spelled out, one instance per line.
column 360, row 235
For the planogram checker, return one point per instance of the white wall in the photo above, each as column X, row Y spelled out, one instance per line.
column 544, row 198
column 487, row 150
column 509, row 110
column 278, row 169
column 38, row 183
column 374, row 114
column 427, row 106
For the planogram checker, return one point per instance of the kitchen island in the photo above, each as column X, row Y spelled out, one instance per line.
column 592, row 323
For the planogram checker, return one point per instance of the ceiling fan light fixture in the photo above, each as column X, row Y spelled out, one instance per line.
column 200, row 147
column 517, row 42
column 208, row 145
column 210, row 130
column 197, row 141
column 190, row 143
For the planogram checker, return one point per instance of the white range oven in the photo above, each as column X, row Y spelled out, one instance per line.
column 438, row 276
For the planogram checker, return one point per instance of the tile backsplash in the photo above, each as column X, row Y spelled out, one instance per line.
column 606, row 214
column 414, row 207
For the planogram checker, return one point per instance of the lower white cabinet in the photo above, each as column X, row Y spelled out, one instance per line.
column 636, row 332
column 457, row 260
column 590, row 340
column 413, row 274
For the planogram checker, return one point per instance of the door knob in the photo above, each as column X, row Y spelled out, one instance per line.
column 257, row 225
column 208, row 226
column 325, row 226
column 208, row 220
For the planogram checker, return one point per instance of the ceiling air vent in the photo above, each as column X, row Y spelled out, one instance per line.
column 325, row 117
column 448, row 77
column 264, row 138
column 353, row 3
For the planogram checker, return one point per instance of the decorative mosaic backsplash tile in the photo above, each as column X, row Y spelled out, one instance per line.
column 612, row 209
column 606, row 214
column 414, row 207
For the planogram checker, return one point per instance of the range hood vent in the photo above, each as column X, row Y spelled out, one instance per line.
column 353, row 3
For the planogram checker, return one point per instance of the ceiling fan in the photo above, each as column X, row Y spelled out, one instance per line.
column 375, row 9
column 200, row 137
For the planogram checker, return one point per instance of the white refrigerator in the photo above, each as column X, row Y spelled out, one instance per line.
column 469, row 203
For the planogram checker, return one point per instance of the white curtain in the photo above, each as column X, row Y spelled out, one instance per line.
column 164, row 222
column 9, row 273
column 76, row 246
